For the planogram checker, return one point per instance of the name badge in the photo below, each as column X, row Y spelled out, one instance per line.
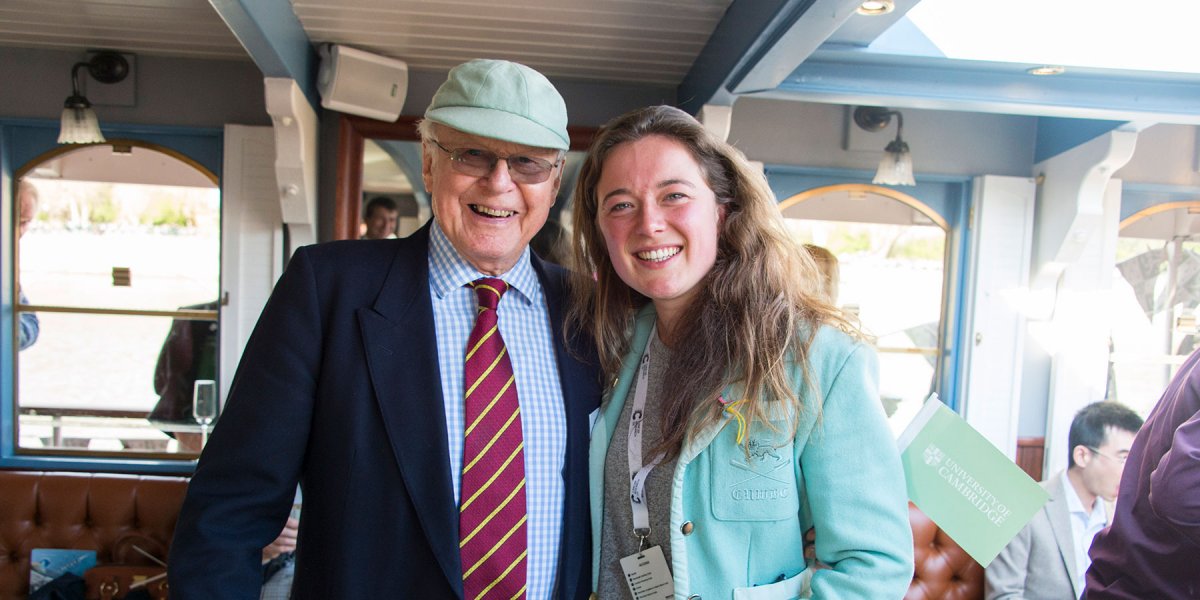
column 647, row 575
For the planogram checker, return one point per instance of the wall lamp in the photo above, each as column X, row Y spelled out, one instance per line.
column 79, row 123
column 896, row 168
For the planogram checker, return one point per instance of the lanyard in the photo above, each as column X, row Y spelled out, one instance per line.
column 637, row 471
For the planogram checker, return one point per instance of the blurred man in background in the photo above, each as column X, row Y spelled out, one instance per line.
column 27, row 201
column 380, row 218
column 1047, row 559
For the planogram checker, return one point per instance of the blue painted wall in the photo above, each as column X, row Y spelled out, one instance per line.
column 24, row 140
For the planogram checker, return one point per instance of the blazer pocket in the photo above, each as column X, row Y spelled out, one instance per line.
column 761, row 487
column 797, row 586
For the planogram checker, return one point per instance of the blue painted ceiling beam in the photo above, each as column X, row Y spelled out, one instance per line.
column 759, row 42
column 802, row 28
column 738, row 34
column 847, row 77
column 272, row 35
column 1055, row 135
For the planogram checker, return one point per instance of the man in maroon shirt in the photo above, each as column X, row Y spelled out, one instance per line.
column 1152, row 548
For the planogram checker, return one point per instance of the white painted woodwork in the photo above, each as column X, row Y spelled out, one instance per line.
column 1070, row 208
column 295, row 125
column 1080, row 330
column 252, row 238
column 717, row 119
column 1000, row 249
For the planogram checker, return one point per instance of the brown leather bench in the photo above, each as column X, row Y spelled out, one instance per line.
column 943, row 570
column 94, row 511
column 87, row 511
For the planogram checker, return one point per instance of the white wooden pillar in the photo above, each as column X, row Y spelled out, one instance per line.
column 1078, row 213
column 295, row 124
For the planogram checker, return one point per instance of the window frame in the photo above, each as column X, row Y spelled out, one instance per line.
column 947, row 197
column 25, row 143
column 941, row 347
column 1138, row 203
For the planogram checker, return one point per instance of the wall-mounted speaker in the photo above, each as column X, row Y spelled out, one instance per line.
column 361, row 83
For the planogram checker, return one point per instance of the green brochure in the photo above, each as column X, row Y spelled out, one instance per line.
column 974, row 493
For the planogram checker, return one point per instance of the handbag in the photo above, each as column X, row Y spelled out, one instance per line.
column 112, row 582
column 137, row 571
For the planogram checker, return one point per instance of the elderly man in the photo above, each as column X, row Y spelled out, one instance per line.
column 1047, row 559
column 420, row 390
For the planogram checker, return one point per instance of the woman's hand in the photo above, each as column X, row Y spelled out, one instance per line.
column 810, row 549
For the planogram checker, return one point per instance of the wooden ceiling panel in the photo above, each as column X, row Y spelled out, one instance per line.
column 654, row 41
column 635, row 41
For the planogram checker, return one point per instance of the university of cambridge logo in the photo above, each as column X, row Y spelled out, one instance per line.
column 933, row 455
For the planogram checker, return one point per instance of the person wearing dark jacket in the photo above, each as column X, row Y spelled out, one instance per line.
column 358, row 383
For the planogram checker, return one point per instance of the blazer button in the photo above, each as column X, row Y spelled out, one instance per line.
column 687, row 528
column 593, row 596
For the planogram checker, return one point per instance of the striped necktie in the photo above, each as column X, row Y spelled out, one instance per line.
column 492, row 538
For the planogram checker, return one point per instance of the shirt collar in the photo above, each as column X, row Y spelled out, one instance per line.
column 448, row 270
column 1075, row 505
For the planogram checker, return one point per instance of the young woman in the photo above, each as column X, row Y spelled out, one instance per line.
column 742, row 409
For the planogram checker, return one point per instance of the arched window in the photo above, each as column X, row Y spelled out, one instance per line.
column 120, row 266
column 1157, row 293
column 891, row 250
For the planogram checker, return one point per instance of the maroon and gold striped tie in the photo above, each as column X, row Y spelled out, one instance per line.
column 492, row 538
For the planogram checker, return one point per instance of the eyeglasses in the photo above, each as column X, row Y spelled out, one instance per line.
column 477, row 162
column 1119, row 459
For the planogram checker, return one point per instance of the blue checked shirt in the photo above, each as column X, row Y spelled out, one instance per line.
column 29, row 324
column 525, row 326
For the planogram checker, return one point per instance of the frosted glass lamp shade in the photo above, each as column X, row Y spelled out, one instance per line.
column 896, row 168
column 80, row 126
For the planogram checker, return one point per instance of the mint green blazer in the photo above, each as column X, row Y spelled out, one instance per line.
column 841, row 474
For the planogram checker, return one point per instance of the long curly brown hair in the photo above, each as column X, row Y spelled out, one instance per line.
column 756, row 312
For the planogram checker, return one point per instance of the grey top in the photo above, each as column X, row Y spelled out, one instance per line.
column 617, row 538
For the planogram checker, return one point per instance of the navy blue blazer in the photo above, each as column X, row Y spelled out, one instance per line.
column 339, row 389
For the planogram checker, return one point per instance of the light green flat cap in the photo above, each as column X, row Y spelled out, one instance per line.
column 502, row 100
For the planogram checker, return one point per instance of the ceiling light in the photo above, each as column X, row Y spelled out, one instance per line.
column 875, row 7
column 1047, row 70
column 896, row 167
column 79, row 123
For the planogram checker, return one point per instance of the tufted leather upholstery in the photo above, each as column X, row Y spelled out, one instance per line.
column 944, row 571
column 98, row 511
column 88, row 511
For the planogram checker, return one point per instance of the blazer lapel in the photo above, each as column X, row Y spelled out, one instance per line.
column 401, row 349
column 1060, row 522
column 581, row 391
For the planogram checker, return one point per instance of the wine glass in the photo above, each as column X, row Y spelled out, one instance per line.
column 204, row 406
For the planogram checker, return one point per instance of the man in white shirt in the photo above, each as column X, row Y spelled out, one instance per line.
column 1048, row 558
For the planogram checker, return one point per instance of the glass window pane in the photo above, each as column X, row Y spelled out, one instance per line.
column 92, row 382
column 891, row 278
column 167, row 238
column 130, row 229
column 1156, row 296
